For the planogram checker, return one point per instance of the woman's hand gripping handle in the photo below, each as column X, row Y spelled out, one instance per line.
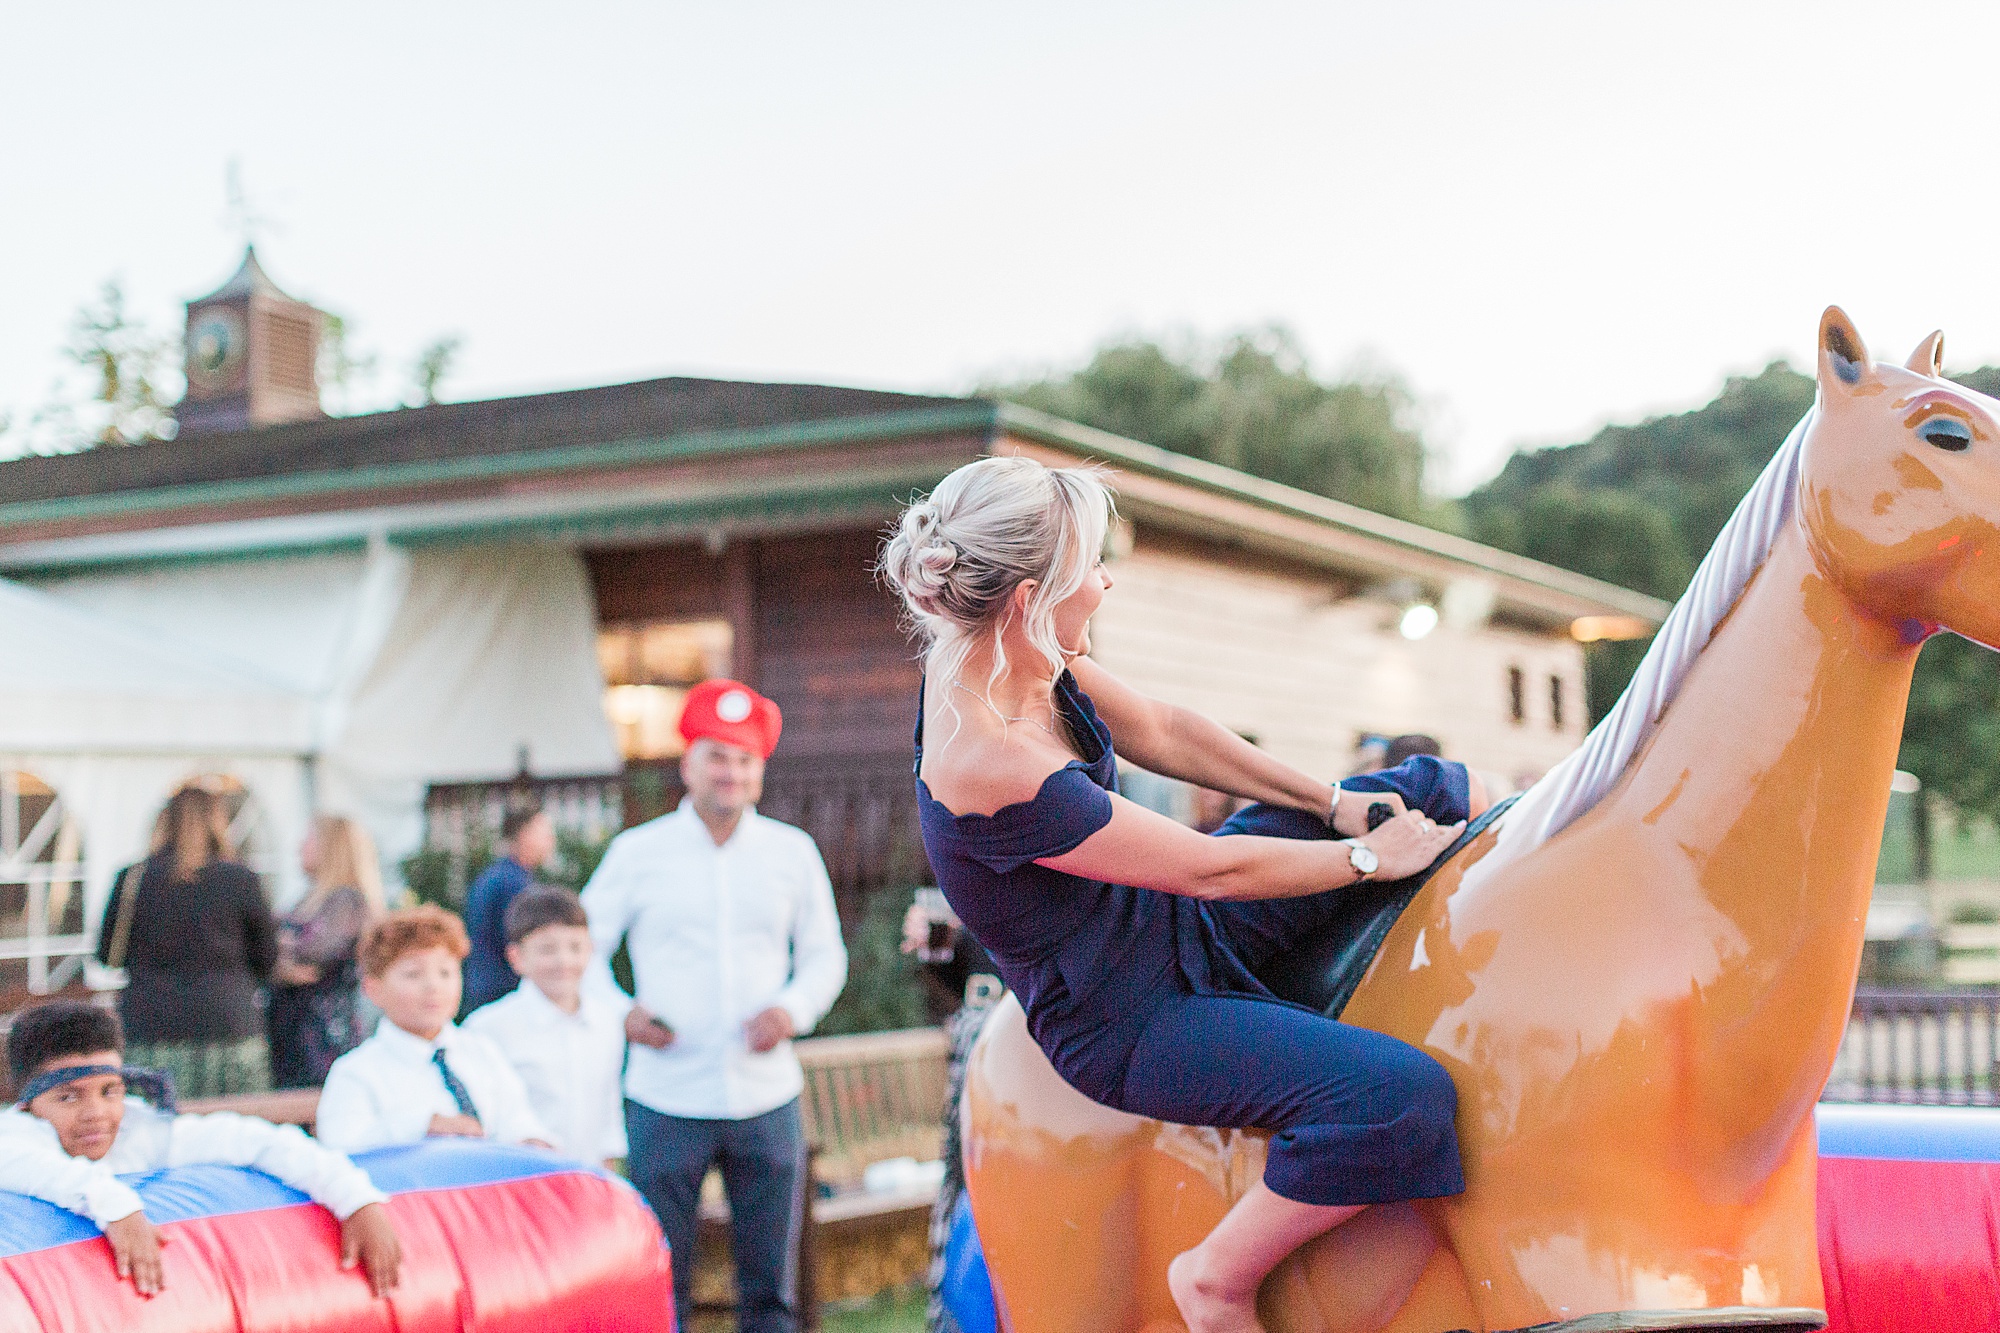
column 1407, row 843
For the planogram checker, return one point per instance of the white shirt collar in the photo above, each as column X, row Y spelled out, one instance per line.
column 685, row 811
column 403, row 1042
column 542, row 1007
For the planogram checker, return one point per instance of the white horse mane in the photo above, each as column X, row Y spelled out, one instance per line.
column 1593, row 768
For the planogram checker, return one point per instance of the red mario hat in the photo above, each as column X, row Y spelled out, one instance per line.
column 731, row 712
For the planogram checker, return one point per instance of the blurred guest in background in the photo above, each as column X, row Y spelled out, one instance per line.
column 1409, row 746
column 527, row 841
column 1373, row 752
column 568, row 1045
column 955, row 966
column 315, row 987
column 950, row 958
column 1370, row 754
column 1210, row 809
column 191, row 928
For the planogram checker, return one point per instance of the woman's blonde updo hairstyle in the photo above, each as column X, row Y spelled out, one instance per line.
column 957, row 555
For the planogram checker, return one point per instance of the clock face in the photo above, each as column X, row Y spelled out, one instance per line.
column 214, row 351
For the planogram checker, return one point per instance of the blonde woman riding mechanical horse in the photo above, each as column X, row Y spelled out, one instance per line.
column 1129, row 939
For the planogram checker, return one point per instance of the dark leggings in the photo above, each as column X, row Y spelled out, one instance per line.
column 1356, row 1116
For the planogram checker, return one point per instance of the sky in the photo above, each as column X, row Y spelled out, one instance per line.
column 1542, row 216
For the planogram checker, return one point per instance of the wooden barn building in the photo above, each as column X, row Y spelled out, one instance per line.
column 596, row 552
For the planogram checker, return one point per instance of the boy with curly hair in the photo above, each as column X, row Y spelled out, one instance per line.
column 421, row 1075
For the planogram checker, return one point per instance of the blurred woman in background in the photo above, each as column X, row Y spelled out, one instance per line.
column 191, row 928
column 315, row 992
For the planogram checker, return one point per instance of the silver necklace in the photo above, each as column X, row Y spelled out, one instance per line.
column 992, row 708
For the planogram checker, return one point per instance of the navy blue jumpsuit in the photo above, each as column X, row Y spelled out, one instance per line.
column 1146, row 1002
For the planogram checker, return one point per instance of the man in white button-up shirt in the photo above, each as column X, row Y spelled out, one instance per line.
column 735, row 945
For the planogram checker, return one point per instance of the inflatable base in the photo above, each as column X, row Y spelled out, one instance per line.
column 495, row 1240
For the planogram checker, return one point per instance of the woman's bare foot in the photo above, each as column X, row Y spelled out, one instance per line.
column 1207, row 1307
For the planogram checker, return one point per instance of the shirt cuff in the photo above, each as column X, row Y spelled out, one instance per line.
column 803, row 1013
column 108, row 1200
column 350, row 1197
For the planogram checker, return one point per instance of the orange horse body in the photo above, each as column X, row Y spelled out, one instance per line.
column 1639, row 1012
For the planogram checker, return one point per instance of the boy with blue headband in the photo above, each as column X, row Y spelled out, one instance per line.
column 78, row 1127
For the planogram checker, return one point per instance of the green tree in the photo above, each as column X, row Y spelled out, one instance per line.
column 344, row 370
column 1619, row 537
column 130, row 366
column 883, row 990
column 1251, row 403
column 1640, row 506
column 1691, row 468
column 1610, row 534
column 128, row 388
column 431, row 368
column 1951, row 736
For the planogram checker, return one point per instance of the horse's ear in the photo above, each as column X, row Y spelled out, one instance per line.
column 1843, row 357
column 1928, row 359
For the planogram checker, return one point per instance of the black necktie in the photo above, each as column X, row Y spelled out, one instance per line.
column 454, row 1087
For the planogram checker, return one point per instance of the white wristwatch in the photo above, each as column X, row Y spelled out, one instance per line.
column 1361, row 857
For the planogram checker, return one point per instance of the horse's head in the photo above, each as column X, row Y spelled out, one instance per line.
column 1900, row 488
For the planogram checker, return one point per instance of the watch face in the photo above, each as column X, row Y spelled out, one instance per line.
column 214, row 351
column 1363, row 859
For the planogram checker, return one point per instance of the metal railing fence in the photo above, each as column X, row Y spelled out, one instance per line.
column 1920, row 1047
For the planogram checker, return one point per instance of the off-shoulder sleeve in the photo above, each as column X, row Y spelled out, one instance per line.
column 1068, row 808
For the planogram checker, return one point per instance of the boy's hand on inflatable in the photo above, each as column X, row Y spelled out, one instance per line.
column 456, row 1127
column 367, row 1237
column 1350, row 811
column 135, row 1246
column 1409, row 843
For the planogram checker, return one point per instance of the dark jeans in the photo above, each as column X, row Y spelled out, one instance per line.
column 763, row 1162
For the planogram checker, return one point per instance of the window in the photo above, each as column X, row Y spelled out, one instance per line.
column 648, row 668
column 42, row 935
column 1517, row 695
column 1556, row 703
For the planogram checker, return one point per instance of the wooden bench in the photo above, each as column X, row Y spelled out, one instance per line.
column 868, row 1098
column 872, row 1097
column 293, row 1106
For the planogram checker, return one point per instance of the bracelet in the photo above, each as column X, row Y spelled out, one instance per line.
column 1333, row 811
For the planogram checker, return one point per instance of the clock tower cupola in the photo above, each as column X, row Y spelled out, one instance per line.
column 252, row 356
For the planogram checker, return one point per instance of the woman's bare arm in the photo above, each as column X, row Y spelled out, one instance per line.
column 1150, row 851
column 1180, row 743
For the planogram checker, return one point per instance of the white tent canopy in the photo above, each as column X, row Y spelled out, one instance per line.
column 344, row 682
column 74, row 682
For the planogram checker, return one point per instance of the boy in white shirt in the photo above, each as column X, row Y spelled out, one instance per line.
column 420, row 1075
column 76, row 1130
column 568, row 1047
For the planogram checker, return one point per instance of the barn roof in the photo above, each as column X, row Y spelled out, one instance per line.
column 381, row 446
column 684, row 458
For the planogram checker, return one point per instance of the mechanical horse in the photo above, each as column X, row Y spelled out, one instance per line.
column 1638, row 976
